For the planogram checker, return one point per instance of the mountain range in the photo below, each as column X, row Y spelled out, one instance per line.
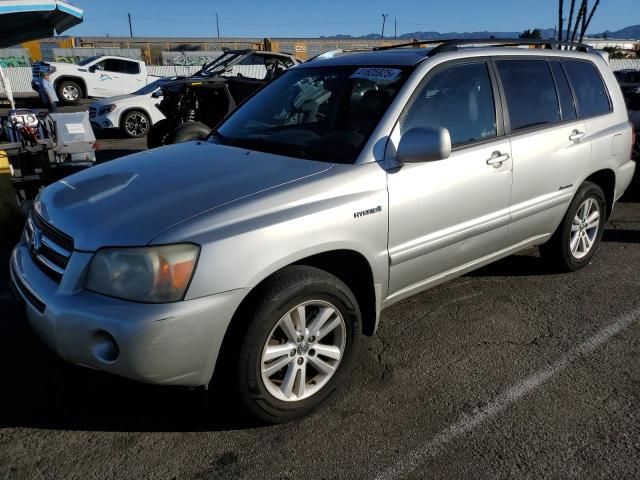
column 627, row 33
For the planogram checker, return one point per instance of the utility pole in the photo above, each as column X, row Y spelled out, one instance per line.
column 217, row 25
column 384, row 19
column 130, row 27
column 395, row 27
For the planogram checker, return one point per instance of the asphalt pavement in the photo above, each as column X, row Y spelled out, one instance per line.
column 512, row 371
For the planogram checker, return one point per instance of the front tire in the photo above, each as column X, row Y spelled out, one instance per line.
column 300, row 345
column 160, row 134
column 191, row 131
column 577, row 238
column 135, row 124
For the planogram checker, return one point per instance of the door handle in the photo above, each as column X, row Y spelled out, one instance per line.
column 576, row 135
column 497, row 159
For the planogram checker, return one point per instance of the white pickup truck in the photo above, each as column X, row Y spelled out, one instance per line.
column 94, row 77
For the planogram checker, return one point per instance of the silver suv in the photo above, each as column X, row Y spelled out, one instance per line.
column 258, row 258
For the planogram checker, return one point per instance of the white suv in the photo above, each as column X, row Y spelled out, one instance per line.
column 133, row 114
column 342, row 187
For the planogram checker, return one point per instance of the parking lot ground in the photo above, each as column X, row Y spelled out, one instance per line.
column 512, row 371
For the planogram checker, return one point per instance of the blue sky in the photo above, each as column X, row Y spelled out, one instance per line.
column 283, row 18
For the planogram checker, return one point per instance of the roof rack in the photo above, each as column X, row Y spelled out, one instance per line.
column 450, row 45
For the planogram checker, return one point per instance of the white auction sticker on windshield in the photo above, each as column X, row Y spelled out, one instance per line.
column 377, row 74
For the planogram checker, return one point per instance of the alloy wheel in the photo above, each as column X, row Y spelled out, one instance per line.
column 303, row 351
column 584, row 228
column 136, row 125
column 70, row 93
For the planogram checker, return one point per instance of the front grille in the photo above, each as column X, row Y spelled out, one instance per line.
column 49, row 247
column 92, row 112
column 65, row 241
column 57, row 258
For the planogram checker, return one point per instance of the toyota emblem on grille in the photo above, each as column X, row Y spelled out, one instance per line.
column 36, row 241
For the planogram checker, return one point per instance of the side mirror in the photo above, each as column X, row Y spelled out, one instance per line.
column 424, row 144
column 92, row 68
column 157, row 94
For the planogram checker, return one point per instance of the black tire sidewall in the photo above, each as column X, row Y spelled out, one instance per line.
column 159, row 134
column 588, row 190
column 190, row 131
column 250, row 385
column 124, row 123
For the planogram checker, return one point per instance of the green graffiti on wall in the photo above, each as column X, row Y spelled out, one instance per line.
column 69, row 58
column 14, row 61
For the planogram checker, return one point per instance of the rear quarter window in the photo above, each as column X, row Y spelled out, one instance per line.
column 567, row 106
column 589, row 88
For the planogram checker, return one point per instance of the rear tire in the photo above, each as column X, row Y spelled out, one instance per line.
column 69, row 92
column 577, row 238
column 299, row 346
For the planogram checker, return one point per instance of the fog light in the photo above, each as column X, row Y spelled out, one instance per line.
column 106, row 124
column 104, row 347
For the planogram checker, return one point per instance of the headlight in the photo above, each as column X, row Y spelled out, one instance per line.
column 107, row 109
column 155, row 274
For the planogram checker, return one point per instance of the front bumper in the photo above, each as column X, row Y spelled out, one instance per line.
column 172, row 344
column 100, row 122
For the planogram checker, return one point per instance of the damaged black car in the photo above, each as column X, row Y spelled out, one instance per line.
column 194, row 105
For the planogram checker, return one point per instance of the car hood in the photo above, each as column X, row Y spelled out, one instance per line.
column 131, row 200
column 64, row 65
column 118, row 100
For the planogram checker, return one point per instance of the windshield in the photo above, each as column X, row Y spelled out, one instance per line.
column 88, row 60
column 324, row 114
column 150, row 88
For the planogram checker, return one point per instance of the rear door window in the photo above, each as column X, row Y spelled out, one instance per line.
column 121, row 66
column 591, row 94
column 132, row 68
column 531, row 93
column 567, row 105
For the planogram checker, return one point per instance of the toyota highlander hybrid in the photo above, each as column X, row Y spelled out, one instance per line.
column 259, row 257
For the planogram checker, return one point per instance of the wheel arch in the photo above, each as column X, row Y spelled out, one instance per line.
column 349, row 266
column 606, row 180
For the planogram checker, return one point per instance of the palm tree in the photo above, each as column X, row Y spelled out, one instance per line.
column 585, row 24
column 571, row 10
column 581, row 13
column 614, row 52
column 535, row 33
column 560, row 19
